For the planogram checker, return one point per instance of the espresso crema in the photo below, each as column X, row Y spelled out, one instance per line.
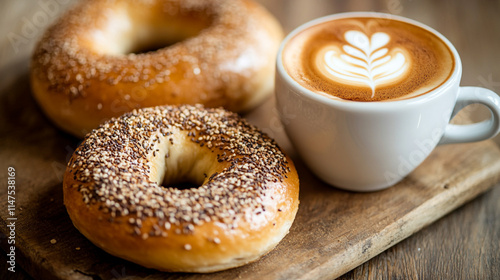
column 368, row 59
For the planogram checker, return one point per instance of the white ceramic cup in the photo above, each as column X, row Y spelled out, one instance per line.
column 368, row 146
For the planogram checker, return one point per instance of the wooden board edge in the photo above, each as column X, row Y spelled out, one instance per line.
column 433, row 209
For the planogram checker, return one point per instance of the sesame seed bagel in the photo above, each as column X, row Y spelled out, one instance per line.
column 123, row 189
column 106, row 57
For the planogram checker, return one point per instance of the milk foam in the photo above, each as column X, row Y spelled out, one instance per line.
column 364, row 61
column 368, row 59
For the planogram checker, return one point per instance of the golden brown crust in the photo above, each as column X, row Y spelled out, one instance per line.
column 83, row 72
column 245, row 205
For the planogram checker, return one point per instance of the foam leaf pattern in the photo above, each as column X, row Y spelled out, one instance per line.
column 365, row 61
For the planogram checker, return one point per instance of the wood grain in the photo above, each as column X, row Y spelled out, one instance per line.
column 463, row 245
column 335, row 231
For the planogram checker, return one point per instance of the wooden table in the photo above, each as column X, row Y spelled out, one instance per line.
column 464, row 244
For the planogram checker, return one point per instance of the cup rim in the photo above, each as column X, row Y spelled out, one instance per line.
column 372, row 105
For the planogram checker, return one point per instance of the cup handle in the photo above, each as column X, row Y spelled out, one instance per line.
column 478, row 131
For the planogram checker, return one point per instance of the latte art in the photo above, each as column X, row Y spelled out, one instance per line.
column 364, row 61
column 367, row 59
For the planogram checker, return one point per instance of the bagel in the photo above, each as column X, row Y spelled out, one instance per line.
column 123, row 189
column 106, row 57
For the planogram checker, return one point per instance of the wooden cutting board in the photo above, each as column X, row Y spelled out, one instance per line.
column 334, row 232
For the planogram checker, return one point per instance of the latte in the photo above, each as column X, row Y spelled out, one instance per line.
column 368, row 59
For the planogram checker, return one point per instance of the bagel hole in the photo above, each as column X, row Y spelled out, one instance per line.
column 182, row 164
column 181, row 185
column 149, row 48
column 137, row 31
column 182, row 178
column 155, row 45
